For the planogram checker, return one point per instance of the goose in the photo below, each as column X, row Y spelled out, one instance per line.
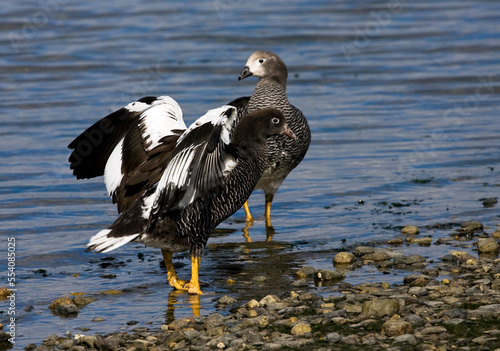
column 209, row 173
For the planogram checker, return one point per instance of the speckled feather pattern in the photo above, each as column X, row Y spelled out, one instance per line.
column 284, row 153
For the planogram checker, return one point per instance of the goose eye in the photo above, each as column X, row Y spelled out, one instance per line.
column 275, row 120
column 261, row 60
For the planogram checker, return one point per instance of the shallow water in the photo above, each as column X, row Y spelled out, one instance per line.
column 401, row 97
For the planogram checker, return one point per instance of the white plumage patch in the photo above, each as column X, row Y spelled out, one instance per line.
column 159, row 120
column 147, row 204
column 195, row 168
column 102, row 243
column 216, row 116
column 113, row 170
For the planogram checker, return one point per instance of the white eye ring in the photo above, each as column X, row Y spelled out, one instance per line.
column 275, row 120
column 261, row 60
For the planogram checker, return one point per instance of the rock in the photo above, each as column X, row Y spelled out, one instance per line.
column 377, row 256
column 333, row 338
column 305, row 272
column 259, row 279
column 268, row 300
column 418, row 291
column 406, row 339
column 263, row 322
column 89, row 340
column 380, row 307
column 363, row 250
column 215, row 324
column 252, row 304
column 301, row 329
column 4, row 292
column 327, row 274
column 60, row 301
column 352, row 339
column 182, row 323
column 395, row 241
column 64, row 307
column 489, row 201
column 77, row 348
column 419, row 241
column 82, row 301
column 410, row 230
column 396, row 326
column 66, row 344
column 487, row 245
column 487, row 311
column 469, row 228
column 495, row 234
column 226, row 300
column 300, row 283
column 414, row 320
column 408, row 260
column 433, row 330
column 344, row 258
column 109, row 343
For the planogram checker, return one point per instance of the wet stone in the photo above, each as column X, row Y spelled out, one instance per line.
column 380, row 307
column 419, row 241
column 377, row 256
column 409, row 260
column 305, row 272
column 333, row 338
column 301, row 329
column 327, row 274
column 406, row 339
column 182, row 323
column 469, row 228
column 363, row 250
column 396, row 327
column 300, row 283
column 344, row 258
column 487, row 245
column 410, row 230
column 82, row 301
column 226, row 300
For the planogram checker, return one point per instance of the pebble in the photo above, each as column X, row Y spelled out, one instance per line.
column 419, row 241
column 487, row 245
column 429, row 311
column 396, row 327
column 327, row 274
column 380, row 307
column 301, row 329
column 344, row 258
column 410, row 230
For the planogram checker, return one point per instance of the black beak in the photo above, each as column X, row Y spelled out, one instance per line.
column 245, row 73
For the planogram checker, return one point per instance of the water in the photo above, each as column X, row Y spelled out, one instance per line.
column 401, row 97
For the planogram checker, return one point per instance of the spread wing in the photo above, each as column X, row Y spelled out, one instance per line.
column 201, row 159
column 92, row 148
column 133, row 156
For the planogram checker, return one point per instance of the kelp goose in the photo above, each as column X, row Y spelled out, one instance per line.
column 284, row 153
column 211, row 171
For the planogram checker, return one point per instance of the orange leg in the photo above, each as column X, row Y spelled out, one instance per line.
column 269, row 201
column 247, row 212
column 193, row 287
column 172, row 276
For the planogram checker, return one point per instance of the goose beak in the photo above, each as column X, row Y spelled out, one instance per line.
column 245, row 73
column 288, row 132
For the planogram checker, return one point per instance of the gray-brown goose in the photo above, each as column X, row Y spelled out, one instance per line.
column 284, row 153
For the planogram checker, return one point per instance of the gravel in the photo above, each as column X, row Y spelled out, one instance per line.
column 453, row 305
